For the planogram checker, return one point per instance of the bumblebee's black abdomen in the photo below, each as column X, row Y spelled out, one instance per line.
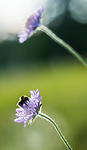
column 23, row 100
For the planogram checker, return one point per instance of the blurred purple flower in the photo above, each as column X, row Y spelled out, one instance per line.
column 31, row 24
column 29, row 109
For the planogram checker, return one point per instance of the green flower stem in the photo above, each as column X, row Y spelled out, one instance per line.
column 62, row 43
column 44, row 116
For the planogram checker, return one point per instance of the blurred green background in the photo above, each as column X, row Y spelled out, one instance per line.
column 64, row 91
column 62, row 80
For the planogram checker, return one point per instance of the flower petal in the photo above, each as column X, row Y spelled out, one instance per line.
column 29, row 109
column 30, row 25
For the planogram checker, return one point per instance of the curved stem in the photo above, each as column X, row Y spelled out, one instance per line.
column 62, row 43
column 44, row 116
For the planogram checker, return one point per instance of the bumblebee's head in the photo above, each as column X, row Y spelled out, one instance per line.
column 23, row 100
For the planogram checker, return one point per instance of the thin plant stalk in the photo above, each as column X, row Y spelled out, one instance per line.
column 44, row 116
column 62, row 43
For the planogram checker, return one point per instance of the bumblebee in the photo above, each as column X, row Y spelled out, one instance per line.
column 23, row 100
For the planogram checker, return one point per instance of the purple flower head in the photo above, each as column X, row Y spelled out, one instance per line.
column 29, row 108
column 30, row 25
